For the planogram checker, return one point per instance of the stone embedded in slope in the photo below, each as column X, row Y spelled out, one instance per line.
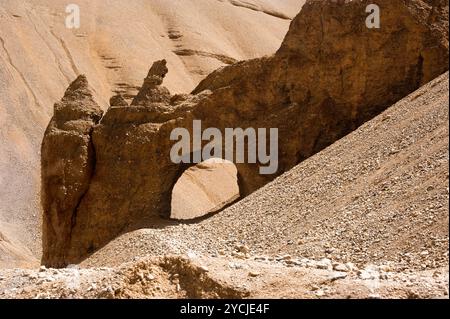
column 330, row 75
column 68, row 162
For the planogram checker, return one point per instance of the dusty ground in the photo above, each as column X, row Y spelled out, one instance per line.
column 192, row 276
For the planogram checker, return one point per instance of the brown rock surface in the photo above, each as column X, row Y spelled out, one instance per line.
column 68, row 162
column 330, row 75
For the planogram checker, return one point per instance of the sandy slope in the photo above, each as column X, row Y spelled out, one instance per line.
column 203, row 189
column 114, row 47
column 379, row 195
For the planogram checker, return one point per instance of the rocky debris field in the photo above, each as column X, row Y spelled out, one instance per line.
column 196, row 276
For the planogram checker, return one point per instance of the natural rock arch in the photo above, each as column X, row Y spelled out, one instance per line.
column 103, row 177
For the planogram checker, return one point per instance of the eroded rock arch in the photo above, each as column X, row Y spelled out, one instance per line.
column 103, row 175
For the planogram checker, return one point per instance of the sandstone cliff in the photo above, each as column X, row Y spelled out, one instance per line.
column 330, row 75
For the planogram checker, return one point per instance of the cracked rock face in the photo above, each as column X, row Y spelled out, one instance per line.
column 330, row 75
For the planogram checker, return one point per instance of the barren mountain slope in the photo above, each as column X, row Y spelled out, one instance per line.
column 378, row 195
column 12, row 252
column 114, row 47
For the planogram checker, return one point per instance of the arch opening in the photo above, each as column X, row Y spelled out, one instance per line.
column 204, row 189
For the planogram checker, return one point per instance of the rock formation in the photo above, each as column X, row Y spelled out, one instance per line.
column 68, row 163
column 330, row 75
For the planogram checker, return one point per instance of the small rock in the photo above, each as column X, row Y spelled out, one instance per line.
column 242, row 249
column 42, row 269
column 109, row 290
column 92, row 287
column 324, row 264
column 297, row 262
column 320, row 293
column 283, row 258
column 384, row 276
column 340, row 267
column 254, row 274
column 31, row 276
column 369, row 274
column 290, row 262
column 338, row 276
column 314, row 287
column 351, row 266
column 235, row 266
column 191, row 255
column 239, row 255
column 203, row 269
column 386, row 268
column 260, row 258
